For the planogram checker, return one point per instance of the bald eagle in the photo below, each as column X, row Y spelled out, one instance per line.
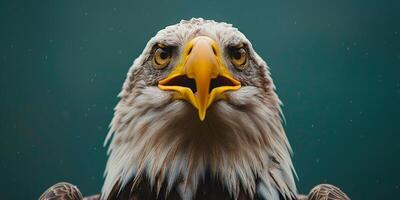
column 198, row 118
column 199, row 115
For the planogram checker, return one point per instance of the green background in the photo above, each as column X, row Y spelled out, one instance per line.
column 336, row 65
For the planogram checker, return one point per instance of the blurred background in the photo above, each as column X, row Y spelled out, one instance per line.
column 336, row 65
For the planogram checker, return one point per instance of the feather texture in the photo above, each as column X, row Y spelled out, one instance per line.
column 241, row 143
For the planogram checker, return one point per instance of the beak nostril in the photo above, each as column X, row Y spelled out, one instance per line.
column 214, row 50
column 190, row 50
column 183, row 81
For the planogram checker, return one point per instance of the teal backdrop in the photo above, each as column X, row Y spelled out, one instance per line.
column 336, row 65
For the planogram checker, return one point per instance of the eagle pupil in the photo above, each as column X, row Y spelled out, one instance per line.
column 164, row 54
column 237, row 54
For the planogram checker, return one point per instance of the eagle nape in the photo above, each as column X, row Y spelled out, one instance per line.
column 198, row 118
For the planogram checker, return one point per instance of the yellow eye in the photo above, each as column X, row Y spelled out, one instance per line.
column 162, row 57
column 238, row 57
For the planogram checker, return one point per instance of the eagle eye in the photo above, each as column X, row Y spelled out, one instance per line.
column 162, row 57
column 238, row 56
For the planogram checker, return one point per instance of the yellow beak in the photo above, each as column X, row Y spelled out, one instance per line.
column 201, row 78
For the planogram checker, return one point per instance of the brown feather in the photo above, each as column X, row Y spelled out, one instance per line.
column 62, row 191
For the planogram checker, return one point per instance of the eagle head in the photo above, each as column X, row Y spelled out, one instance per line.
column 198, row 107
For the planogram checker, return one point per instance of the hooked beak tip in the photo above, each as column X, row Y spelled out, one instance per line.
column 202, row 115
